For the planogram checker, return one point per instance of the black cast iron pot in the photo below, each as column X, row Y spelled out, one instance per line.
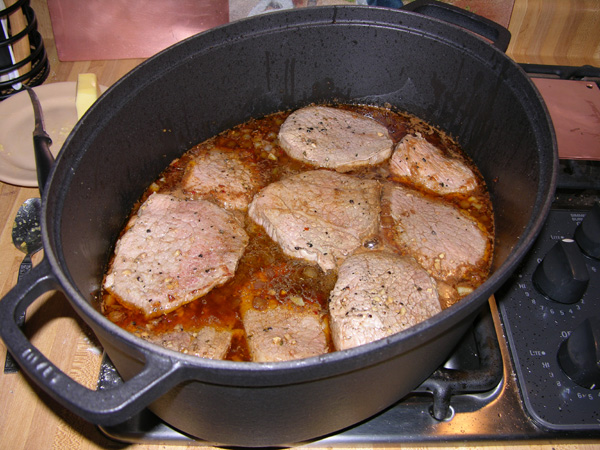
column 213, row 81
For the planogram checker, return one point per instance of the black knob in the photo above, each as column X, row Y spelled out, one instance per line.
column 579, row 355
column 562, row 275
column 587, row 234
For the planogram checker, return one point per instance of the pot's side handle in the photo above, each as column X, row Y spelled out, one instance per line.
column 102, row 407
column 496, row 33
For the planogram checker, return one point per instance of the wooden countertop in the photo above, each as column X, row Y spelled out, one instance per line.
column 29, row 418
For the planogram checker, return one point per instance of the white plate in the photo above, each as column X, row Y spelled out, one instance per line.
column 17, row 160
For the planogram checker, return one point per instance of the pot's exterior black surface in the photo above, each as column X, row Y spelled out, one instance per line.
column 247, row 69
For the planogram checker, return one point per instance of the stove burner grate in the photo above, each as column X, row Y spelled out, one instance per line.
column 450, row 380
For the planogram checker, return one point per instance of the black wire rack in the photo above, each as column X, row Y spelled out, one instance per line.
column 37, row 57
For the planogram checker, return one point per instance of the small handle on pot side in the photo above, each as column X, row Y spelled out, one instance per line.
column 496, row 33
column 102, row 407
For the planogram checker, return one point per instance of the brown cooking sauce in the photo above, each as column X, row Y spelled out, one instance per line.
column 264, row 269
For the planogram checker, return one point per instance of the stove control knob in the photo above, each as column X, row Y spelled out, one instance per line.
column 579, row 355
column 587, row 234
column 562, row 275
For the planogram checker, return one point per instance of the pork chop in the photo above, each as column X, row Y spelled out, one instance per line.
column 230, row 178
column 443, row 239
column 319, row 215
column 173, row 252
column 284, row 333
column 208, row 342
column 334, row 138
column 281, row 325
column 378, row 294
column 419, row 162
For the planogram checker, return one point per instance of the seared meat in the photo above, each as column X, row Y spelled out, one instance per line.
column 173, row 252
column 442, row 238
column 280, row 325
column 334, row 138
column 378, row 294
column 421, row 163
column 230, row 178
column 319, row 215
column 283, row 333
column 208, row 342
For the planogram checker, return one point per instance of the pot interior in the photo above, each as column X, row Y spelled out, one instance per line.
column 280, row 61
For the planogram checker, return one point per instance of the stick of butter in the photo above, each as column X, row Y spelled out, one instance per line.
column 87, row 92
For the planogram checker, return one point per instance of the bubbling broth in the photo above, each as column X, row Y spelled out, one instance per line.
column 265, row 274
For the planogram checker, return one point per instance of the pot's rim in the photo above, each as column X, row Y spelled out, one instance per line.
column 253, row 373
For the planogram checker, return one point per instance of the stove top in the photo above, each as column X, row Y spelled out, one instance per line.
column 507, row 378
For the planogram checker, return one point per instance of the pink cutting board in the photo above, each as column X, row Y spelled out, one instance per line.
column 122, row 29
column 574, row 107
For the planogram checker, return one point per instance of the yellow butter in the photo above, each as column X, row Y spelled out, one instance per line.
column 87, row 92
